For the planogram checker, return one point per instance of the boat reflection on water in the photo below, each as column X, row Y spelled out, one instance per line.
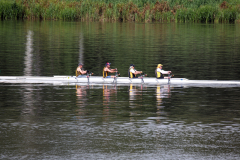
column 109, row 100
column 106, row 94
column 135, row 93
column 163, row 91
column 135, row 101
column 110, row 104
column 81, row 100
column 81, row 92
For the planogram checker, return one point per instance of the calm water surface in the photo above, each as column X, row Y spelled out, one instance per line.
column 47, row 121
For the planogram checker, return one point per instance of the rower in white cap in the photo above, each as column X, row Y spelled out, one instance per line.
column 159, row 72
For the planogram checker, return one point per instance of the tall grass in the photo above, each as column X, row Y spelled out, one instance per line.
column 123, row 10
column 228, row 13
column 9, row 9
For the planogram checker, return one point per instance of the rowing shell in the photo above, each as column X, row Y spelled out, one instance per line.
column 119, row 80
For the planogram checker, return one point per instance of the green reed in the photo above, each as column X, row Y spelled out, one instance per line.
column 202, row 14
column 229, row 14
column 9, row 9
column 123, row 10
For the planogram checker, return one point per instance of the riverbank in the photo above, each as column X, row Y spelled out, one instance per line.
column 123, row 10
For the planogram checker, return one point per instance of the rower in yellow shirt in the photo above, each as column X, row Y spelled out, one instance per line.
column 132, row 72
column 107, row 70
column 159, row 72
column 80, row 72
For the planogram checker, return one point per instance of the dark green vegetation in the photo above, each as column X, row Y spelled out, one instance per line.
column 123, row 10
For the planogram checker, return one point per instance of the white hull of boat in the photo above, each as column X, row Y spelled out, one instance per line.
column 119, row 80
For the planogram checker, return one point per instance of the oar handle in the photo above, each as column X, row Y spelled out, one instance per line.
column 143, row 75
column 169, row 77
column 89, row 73
column 117, row 74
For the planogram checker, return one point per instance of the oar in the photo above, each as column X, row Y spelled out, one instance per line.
column 143, row 75
column 169, row 77
column 89, row 73
column 117, row 74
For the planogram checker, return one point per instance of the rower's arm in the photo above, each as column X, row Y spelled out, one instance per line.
column 110, row 70
column 137, row 72
column 166, row 72
column 84, row 72
column 81, row 71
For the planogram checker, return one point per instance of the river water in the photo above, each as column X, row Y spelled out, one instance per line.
column 48, row 121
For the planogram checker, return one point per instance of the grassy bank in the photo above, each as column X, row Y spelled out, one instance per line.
column 123, row 10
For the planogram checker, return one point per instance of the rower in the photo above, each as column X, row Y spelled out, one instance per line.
column 159, row 72
column 107, row 70
column 80, row 72
column 132, row 73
